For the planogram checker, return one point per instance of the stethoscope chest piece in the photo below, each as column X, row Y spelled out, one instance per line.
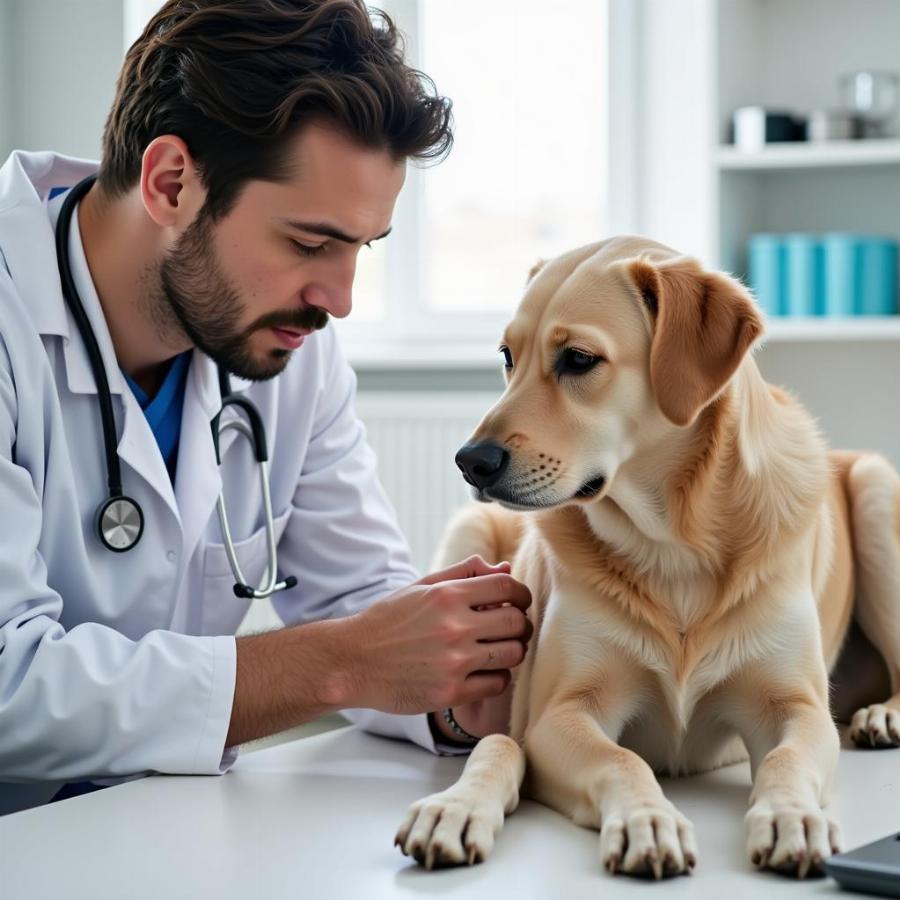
column 120, row 523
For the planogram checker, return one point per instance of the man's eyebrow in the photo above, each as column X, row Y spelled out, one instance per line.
column 326, row 230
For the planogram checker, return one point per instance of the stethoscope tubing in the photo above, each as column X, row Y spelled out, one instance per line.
column 89, row 339
column 241, row 588
column 117, row 508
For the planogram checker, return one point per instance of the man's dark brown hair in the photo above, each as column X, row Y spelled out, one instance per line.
column 235, row 79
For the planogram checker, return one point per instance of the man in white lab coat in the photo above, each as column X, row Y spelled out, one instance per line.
column 252, row 149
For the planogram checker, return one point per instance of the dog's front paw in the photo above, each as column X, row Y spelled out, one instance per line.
column 649, row 839
column 790, row 838
column 875, row 726
column 451, row 828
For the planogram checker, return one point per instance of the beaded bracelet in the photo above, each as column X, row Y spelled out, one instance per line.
column 457, row 729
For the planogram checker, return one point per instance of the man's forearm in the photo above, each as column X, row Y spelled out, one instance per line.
column 400, row 655
column 287, row 677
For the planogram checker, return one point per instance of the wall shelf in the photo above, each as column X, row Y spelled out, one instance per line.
column 441, row 355
column 801, row 155
column 862, row 328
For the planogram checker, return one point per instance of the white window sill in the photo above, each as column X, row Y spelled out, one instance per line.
column 383, row 355
column 479, row 355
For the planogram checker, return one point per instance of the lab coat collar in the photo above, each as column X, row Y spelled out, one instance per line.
column 193, row 500
column 26, row 235
column 196, row 454
column 204, row 376
column 238, row 384
column 28, row 249
column 79, row 374
column 27, row 244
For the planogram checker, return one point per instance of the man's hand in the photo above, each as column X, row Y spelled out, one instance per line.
column 449, row 639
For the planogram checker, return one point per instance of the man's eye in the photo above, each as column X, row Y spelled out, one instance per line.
column 576, row 362
column 307, row 249
column 507, row 357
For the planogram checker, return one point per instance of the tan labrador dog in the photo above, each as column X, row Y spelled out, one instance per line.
column 693, row 551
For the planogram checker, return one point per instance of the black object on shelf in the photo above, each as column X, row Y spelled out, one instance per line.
column 754, row 126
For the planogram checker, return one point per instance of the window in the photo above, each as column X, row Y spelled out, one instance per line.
column 525, row 179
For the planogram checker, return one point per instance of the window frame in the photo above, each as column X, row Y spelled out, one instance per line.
column 411, row 334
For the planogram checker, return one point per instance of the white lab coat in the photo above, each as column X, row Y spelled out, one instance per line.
column 113, row 664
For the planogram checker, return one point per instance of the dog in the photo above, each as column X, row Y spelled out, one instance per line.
column 697, row 558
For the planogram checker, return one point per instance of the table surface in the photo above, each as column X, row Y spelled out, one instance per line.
column 316, row 818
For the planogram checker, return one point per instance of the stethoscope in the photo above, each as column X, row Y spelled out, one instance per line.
column 119, row 521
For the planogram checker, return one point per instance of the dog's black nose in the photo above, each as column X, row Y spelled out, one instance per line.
column 482, row 464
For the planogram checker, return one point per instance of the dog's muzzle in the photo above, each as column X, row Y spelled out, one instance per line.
column 482, row 464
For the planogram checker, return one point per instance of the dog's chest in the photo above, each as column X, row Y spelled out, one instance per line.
column 669, row 665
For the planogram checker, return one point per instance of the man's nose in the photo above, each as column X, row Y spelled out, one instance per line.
column 482, row 463
column 333, row 291
column 334, row 299
column 341, row 303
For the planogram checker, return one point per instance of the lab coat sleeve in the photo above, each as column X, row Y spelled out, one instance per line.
column 343, row 540
column 89, row 701
column 411, row 728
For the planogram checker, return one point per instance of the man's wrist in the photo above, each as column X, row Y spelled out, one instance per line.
column 286, row 677
column 338, row 681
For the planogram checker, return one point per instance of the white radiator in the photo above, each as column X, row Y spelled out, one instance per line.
column 415, row 436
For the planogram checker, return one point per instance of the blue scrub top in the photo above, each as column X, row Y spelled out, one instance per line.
column 163, row 411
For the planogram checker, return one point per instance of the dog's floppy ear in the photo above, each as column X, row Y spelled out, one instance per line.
column 704, row 323
column 534, row 270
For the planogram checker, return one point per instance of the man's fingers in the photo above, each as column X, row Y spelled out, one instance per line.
column 498, row 655
column 481, row 685
column 502, row 623
column 467, row 568
column 492, row 590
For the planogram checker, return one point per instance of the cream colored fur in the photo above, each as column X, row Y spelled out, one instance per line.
column 687, row 615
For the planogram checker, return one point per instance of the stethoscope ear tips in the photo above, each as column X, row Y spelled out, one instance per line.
column 119, row 523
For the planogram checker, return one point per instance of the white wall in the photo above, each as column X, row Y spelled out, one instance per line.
column 136, row 15
column 849, row 387
column 790, row 54
column 6, row 71
column 675, row 139
column 61, row 62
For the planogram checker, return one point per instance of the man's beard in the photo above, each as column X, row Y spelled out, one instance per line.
column 193, row 297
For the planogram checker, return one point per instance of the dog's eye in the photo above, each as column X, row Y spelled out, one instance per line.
column 507, row 357
column 575, row 362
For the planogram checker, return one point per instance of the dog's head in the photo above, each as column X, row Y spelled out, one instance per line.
column 614, row 346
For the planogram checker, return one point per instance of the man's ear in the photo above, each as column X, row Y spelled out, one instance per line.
column 534, row 270
column 171, row 189
column 704, row 324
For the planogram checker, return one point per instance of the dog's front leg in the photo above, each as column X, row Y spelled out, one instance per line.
column 793, row 746
column 576, row 767
column 458, row 826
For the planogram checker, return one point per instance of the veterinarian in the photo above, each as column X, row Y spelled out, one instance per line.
column 177, row 427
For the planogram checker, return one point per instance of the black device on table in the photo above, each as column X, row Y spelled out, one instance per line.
column 873, row 868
